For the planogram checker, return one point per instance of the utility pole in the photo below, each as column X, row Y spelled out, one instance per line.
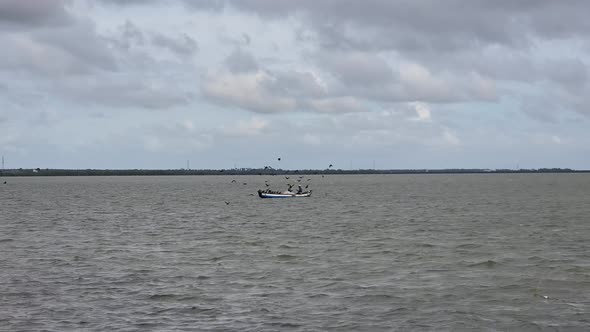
column 2, row 162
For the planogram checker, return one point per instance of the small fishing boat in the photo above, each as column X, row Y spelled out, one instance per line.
column 283, row 194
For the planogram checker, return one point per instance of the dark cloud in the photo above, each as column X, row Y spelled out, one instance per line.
column 542, row 109
column 48, row 39
column 34, row 13
column 301, row 84
column 450, row 33
column 460, row 50
column 80, row 42
column 558, row 19
column 43, row 118
column 55, row 54
column 135, row 2
column 205, row 4
column 131, row 36
column 71, row 61
column 428, row 25
column 564, row 86
column 417, row 27
column 181, row 46
column 570, row 73
column 241, row 61
column 357, row 68
column 134, row 92
column 246, row 39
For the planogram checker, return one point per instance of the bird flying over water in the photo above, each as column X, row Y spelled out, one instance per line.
column 226, row 202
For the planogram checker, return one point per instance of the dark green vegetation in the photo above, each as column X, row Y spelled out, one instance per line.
column 263, row 171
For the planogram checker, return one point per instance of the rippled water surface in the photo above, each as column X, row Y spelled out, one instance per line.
column 364, row 253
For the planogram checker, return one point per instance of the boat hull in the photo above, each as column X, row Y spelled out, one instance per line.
column 262, row 194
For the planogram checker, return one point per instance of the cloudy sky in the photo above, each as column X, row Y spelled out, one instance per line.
column 222, row 83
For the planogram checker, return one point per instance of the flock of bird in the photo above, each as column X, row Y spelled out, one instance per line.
column 300, row 178
column 290, row 185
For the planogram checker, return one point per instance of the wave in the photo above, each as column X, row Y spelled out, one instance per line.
column 286, row 257
column 487, row 264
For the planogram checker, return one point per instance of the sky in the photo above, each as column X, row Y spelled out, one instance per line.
column 390, row 84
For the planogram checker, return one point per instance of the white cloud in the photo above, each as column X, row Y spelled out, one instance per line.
column 311, row 139
column 252, row 127
column 337, row 105
column 153, row 143
column 418, row 81
column 450, row 137
column 483, row 88
column 548, row 139
column 422, row 112
column 245, row 90
column 187, row 125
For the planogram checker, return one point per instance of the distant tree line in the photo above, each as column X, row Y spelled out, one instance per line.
column 263, row 171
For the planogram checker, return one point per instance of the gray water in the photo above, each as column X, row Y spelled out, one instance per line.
column 364, row 253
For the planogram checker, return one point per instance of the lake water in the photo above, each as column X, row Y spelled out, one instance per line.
column 364, row 253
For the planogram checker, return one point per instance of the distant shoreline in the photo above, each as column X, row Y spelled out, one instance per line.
column 253, row 171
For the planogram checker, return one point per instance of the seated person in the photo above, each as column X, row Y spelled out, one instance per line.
column 299, row 189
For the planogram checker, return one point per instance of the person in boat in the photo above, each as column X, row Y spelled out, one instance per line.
column 299, row 189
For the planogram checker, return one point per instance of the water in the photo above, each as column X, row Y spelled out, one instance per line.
column 364, row 253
